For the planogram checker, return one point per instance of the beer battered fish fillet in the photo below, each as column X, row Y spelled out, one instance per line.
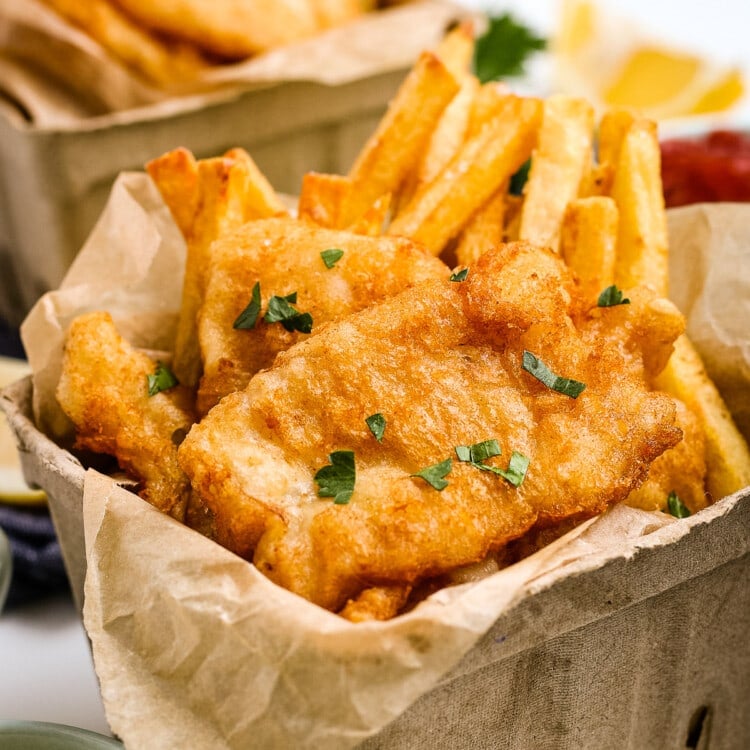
column 442, row 362
column 283, row 256
column 104, row 389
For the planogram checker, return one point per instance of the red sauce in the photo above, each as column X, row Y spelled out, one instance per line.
column 715, row 167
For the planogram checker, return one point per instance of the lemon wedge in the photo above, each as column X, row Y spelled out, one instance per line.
column 616, row 64
column 13, row 487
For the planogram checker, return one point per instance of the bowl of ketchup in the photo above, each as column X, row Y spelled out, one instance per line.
column 707, row 168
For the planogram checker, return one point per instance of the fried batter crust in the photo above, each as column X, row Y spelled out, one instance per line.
column 103, row 389
column 284, row 257
column 442, row 362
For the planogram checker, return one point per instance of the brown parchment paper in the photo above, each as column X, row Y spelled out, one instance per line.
column 93, row 84
column 193, row 647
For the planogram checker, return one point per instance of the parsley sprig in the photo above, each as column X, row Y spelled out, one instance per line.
column 337, row 479
column 504, row 48
column 279, row 310
column 478, row 453
column 435, row 475
column 162, row 379
column 676, row 507
column 567, row 386
column 612, row 296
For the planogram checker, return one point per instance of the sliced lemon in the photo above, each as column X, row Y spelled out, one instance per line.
column 614, row 63
column 13, row 487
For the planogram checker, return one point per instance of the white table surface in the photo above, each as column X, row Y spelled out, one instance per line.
column 46, row 670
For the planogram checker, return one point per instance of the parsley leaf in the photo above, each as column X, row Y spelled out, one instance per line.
column 504, row 48
column 434, row 475
column 376, row 423
column 676, row 507
column 281, row 311
column 566, row 386
column 612, row 296
column 519, row 178
column 331, row 256
column 460, row 275
column 162, row 379
column 337, row 479
column 475, row 454
column 248, row 317
column 479, row 451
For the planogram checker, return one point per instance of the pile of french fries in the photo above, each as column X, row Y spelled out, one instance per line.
column 439, row 170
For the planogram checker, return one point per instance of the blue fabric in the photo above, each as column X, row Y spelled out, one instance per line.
column 38, row 569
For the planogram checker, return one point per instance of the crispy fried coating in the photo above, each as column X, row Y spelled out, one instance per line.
column 104, row 391
column 442, row 362
column 284, row 256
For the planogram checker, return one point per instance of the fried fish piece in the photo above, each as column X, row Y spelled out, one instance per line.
column 443, row 363
column 283, row 257
column 104, row 390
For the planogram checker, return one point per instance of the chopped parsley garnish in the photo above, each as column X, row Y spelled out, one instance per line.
column 519, row 178
column 460, row 275
column 435, row 475
column 612, row 296
column 479, row 452
column 376, row 423
column 162, row 379
column 337, row 479
column 331, row 256
column 248, row 317
column 566, row 386
column 280, row 310
column 504, row 48
column 676, row 507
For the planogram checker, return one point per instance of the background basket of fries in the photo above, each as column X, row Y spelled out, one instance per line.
column 446, row 408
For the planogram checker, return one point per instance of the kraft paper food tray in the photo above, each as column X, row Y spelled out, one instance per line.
column 309, row 106
column 632, row 635
column 629, row 632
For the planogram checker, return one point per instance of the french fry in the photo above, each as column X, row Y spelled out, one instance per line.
column 727, row 454
column 558, row 166
column 512, row 218
column 445, row 141
column 456, row 49
column 373, row 220
column 324, row 199
column 440, row 210
column 588, row 240
column 488, row 101
column 613, row 128
column 176, row 176
column 230, row 191
column 484, row 230
column 394, row 148
column 642, row 243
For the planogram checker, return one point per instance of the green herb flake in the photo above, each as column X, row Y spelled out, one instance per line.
column 478, row 452
column 435, row 475
column 162, row 379
column 460, row 275
column 504, row 48
column 676, row 507
column 337, row 479
column 567, row 386
column 520, row 178
column 331, row 256
column 612, row 296
column 248, row 317
column 376, row 423
column 280, row 310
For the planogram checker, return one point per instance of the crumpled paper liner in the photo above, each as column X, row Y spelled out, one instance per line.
column 92, row 83
column 194, row 647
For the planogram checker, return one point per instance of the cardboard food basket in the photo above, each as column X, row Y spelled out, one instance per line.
column 629, row 632
column 308, row 106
